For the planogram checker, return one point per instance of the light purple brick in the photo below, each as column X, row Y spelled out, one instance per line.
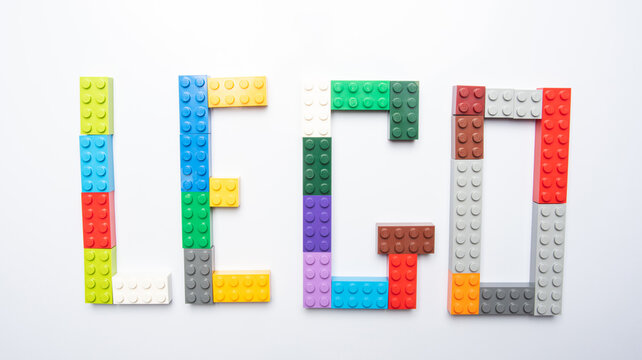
column 317, row 223
column 317, row 279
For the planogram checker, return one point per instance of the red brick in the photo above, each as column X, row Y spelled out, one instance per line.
column 468, row 100
column 98, row 220
column 402, row 281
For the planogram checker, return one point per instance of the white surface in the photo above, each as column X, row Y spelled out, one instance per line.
column 593, row 48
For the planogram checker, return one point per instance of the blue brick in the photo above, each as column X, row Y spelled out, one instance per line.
column 359, row 292
column 192, row 98
column 195, row 162
column 97, row 163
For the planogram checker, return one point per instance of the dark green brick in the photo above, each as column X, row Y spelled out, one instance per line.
column 404, row 110
column 195, row 211
column 317, row 165
column 360, row 95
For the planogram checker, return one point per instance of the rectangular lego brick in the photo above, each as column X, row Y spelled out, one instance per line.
column 317, row 223
column 316, row 110
column 467, row 137
column 237, row 91
column 195, row 162
column 360, row 95
column 224, row 192
column 196, row 224
column 96, row 163
column 192, row 101
column 500, row 103
column 317, row 166
column 98, row 220
column 404, row 110
column 355, row 292
column 241, row 286
column 468, row 100
column 547, row 257
column 465, row 215
column 463, row 294
column 405, row 238
column 551, row 147
column 199, row 264
column 528, row 104
column 142, row 288
column 506, row 298
column 317, row 282
column 96, row 105
column 402, row 281
column 100, row 267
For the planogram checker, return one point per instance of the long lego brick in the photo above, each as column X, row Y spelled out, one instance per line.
column 143, row 288
column 199, row 264
column 467, row 137
column 317, row 282
column 404, row 110
column 196, row 224
column 195, row 162
column 100, row 267
column 547, row 257
column 96, row 106
column 551, row 148
column 405, row 238
column 192, row 99
column 359, row 292
column 224, row 192
column 465, row 215
column 468, row 100
column 317, row 166
column 316, row 110
column 241, row 286
column 96, row 163
column 402, row 281
column 237, row 91
column 360, row 95
column 317, row 223
column 463, row 294
column 98, row 220
column 506, row 298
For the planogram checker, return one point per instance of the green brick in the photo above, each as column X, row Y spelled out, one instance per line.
column 195, row 211
column 317, row 165
column 404, row 110
column 96, row 106
column 360, row 95
column 100, row 266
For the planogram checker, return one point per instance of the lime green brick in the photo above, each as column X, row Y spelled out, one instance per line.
column 404, row 110
column 96, row 106
column 195, row 209
column 317, row 165
column 360, row 95
column 100, row 266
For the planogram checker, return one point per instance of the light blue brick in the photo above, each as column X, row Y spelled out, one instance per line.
column 97, row 163
column 192, row 99
column 359, row 292
column 195, row 162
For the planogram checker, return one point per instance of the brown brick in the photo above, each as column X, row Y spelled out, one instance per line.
column 468, row 137
column 405, row 238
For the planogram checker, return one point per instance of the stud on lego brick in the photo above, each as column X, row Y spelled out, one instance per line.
column 316, row 109
column 236, row 91
column 195, row 162
column 506, row 299
column 142, row 288
column 500, row 103
column 405, row 238
column 463, row 294
column 468, row 137
column 317, row 167
column 317, row 223
column 224, row 192
column 465, row 215
column 360, row 95
column 194, row 113
column 241, row 286
column 198, row 275
column 528, row 104
column 317, row 282
column 468, row 100
column 195, row 209
column 100, row 267
column 98, row 220
column 404, row 110
column 359, row 292
column 96, row 163
column 402, row 278
column 96, row 106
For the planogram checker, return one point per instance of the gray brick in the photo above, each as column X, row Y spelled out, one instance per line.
column 506, row 298
column 500, row 103
column 465, row 215
column 198, row 275
column 528, row 104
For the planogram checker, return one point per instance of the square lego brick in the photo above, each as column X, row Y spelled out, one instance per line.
column 196, row 224
column 317, row 166
column 316, row 109
column 97, row 163
column 96, row 106
column 199, row 264
column 317, row 282
column 405, row 238
column 224, row 192
column 237, row 91
column 467, row 137
column 100, row 266
column 463, row 294
column 360, row 95
column 354, row 292
column 317, row 223
column 98, row 220
column 142, row 288
column 506, row 299
column 241, row 286
column 194, row 113
column 500, row 103
column 402, row 278
column 404, row 110
column 528, row 104
column 468, row 100
column 195, row 162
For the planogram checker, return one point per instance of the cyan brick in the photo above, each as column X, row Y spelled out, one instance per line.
column 97, row 163
column 359, row 292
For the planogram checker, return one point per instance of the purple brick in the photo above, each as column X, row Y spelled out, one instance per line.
column 317, row 220
column 317, row 279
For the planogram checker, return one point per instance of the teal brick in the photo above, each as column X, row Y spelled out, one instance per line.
column 360, row 95
column 317, row 165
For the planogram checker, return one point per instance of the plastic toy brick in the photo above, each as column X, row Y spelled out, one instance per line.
column 359, row 292
column 196, row 220
column 468, row 100
column 404, row 110
column 468, row 137
column 500, row 103
column 463, row 290
column 96, row 163
column 100, row 266
column 241, row 286
column 224, row 192
column 198, row 275
column 317, row 223
column 405, row 238
column 402, row 277
column 316, row 109
column 465, row 215
column 142, row 289
column 98, row 220
column 506, row 299
column 237, row 91
column 192, row 95
column 317, row 271
column 547, row 267
column 360, row 95
column 195, row 162
column 317, row 167
column 528, row 104
column 96, row 106
column 551, row 147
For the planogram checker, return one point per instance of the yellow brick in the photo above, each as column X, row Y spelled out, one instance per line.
column 96, row 106
column 241, row 286
column 236, row 92
column 224, row 192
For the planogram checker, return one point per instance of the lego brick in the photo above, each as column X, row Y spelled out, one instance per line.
column 96, row 163
column 195, row 162
column 465, row 215
column 528, row 104
column 198, row 275
column 316, row 109
column 241, row 286
column 236, row 92
column 142, row 289
column 96, row 105
column 359, row 292
column 98, row 220
column 317, row 223
column 194, row 113
column 317, row 282
column 405, row 238
column 547, row 257
column 506, row 299
column 360, row 95
column 404, row 110
column 100, row 266
column 468, row 100
column 317, row 167
column 402, row 278
column 195, row 209
column 467, row 137
column 224, row 192
column 463, row 294
column 551, row 147
column 500, row 103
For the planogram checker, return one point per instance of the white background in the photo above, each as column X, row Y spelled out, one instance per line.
column 45, row 46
